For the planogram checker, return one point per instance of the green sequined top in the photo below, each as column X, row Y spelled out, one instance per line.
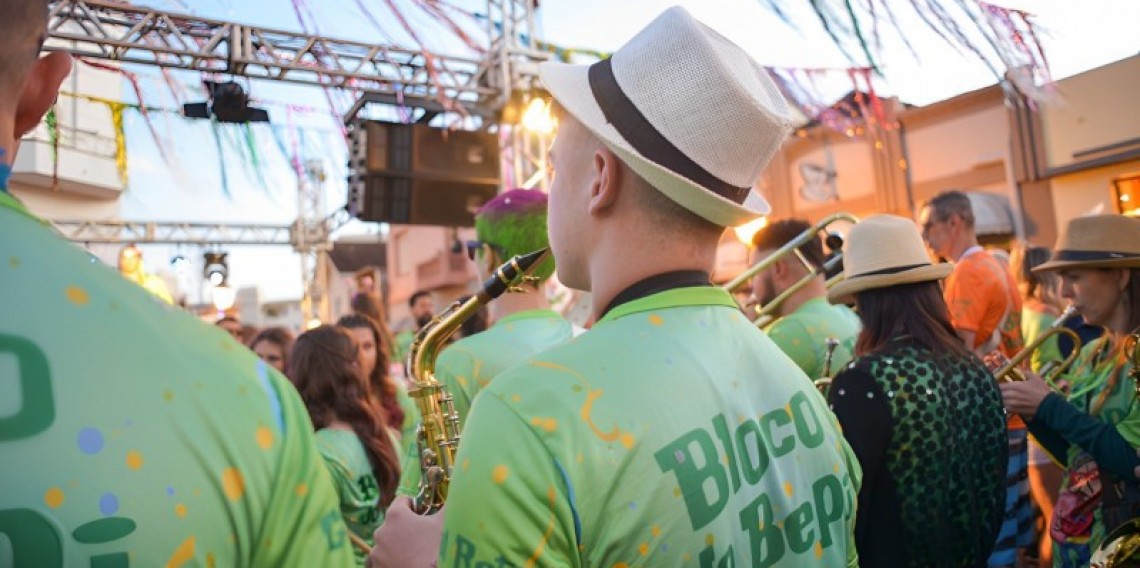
column 928, row 429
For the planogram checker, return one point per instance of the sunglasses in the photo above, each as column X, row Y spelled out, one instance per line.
column 473, row 248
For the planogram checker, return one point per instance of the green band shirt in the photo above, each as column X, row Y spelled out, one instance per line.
column 673, row 433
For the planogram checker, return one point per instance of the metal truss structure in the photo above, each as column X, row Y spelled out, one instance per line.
column 381, row 74
column 114, row 232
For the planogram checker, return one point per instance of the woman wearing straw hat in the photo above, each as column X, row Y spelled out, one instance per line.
column 920, row 411
column 1095, row 434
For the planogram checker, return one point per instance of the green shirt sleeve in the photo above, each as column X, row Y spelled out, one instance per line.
column 794, row 340
column 303, row 525
column 508, row 502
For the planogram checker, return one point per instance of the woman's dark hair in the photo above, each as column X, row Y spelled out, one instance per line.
column 381, row 383
column 278, row 336
column 917, row 310
column 323, row 367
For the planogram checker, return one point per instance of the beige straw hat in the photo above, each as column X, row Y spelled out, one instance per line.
column 1097, row 241
column 687, row 110
column 882, row 251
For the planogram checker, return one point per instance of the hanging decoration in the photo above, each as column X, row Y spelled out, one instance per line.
column 984, row 30
column 51, row 121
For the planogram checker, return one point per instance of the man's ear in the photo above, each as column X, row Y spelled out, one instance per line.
column 40, row 91
column 606, row 185
column 490, row 259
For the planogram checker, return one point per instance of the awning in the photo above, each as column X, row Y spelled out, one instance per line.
column 993, row 214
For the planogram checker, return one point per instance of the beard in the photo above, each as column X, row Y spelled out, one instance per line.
column 423, row 320
column 769, row 291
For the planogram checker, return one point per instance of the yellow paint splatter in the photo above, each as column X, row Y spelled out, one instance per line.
column 835, row 467
column 264, row 437
column 462, row 380
column 788, row 488
column 676, row 491
column 211, row 562
column 182, row 554
column 643, row 548
column 232, row 483
column 516, row 398
column 548, row 424
column 621, row 565
column 818, row 550
column 168, row 395
column 180, row 510
column 53, row 497
column 466, row 464
column 499, row 474
column 627, row 440
column 533, row 560
column 13, row 262
column 709, row 539
column 134, row 460
column 656, row 320
column 78, row 296
column 612, row 435
column 581, row 458
column 656, row 531
column 302, row 489
column 686, row 557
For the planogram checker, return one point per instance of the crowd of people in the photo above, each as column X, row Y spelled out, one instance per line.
column 864, row 426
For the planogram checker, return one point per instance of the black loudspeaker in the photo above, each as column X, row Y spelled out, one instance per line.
column 413, row 174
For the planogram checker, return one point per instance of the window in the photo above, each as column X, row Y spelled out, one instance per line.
column 1128, row 195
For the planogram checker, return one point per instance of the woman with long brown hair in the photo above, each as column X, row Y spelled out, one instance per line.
column 350, row 426
column 1094, row 432
column 920, row 411
column 374, row 360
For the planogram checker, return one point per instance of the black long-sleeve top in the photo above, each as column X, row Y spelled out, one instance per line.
column 929, row 432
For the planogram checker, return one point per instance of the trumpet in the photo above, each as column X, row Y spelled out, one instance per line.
column 1051, row 371
column 834, row 243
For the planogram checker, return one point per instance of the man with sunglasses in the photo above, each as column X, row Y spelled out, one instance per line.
column 522, row 325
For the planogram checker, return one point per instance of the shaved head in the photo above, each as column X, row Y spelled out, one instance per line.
column 22, row 32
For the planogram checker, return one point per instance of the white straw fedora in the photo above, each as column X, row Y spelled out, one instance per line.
column 687, row 110
column 882, row 251
column 1097, row 241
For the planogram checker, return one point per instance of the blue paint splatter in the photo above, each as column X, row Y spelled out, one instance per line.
column 274, row 401
column 90, row 441
column 108, row 504
column 170, row 491
column 632, row 506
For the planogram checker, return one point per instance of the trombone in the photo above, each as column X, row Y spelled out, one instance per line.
column 1051, row 371
column 834, row 243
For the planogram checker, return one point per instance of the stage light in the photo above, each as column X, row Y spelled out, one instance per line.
column 228, row 103
column 537, row 116
column 180, row 264
column 216, row 270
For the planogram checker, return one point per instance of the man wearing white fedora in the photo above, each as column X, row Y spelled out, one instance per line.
column 673, row 432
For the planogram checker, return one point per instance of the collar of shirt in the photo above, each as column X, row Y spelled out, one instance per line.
column 970, row 252
column 675, row 297
column 658, row 283
column 541, row 313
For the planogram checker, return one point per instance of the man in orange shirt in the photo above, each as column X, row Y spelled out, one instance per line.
column 985, row 310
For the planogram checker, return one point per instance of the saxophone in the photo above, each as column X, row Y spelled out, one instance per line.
column 438, row 433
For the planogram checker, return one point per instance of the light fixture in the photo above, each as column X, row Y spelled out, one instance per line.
column 748, row 230
column 216, row 270
column 228, row 103
column 538, row 117
column 223, row 297
column 180, row 264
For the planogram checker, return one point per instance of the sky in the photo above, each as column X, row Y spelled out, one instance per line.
column 188, row 184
